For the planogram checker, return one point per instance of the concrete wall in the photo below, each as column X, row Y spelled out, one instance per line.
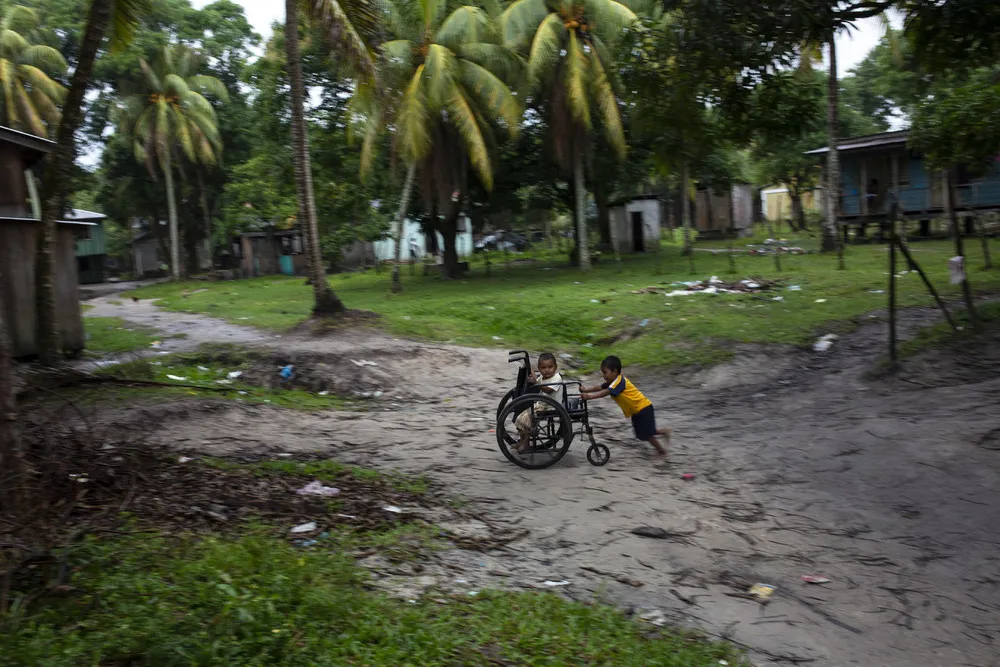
column 386, row 249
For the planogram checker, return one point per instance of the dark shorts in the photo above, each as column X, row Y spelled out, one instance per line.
column 644, row 423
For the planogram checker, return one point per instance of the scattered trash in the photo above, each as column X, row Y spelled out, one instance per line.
column 185, row 459
column 712, row 286
column 490, row 307
column 308, row 543
column 554, row 584
column 824, row 343
column 956, row 269
column 223, row 382
column 202, row 369
column 565, row 356
column 347, row 516
column 176, row 377
column 594, row 301
column 155, row 345
column 393, row 509
column 644, row 323
column 377, row 394
column 304, row 528
column 778, row 298
column 461, row 581
column 235, row 374
column 877, row 291
column 814, row 579
column 794, row 288
column 81, row 478
column 609, row 318
column 723, row 662
column 363, row 362
column 497, row 338
column 473, row 593
column 688, row 476
column 820, row 300
column 762, row 591
column 316, row 488
column 323, row 393
column 407, row 317
column 287, row 372
column 655, row 617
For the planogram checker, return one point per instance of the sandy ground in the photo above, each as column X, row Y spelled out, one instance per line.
column 803, row 466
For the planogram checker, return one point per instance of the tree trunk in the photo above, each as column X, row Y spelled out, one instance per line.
column 327, row 302
column 831, row 239
column 207, row 262
column 603, row 214
column 449, row 232
column 956, row 232
column 175, row 241
column 12, row 466
column 798, row 221
column 582, row 240
column 686, row 210
column 404, row 204
column 57, row 175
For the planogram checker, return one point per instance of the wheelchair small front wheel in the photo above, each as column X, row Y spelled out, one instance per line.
column 598, row 455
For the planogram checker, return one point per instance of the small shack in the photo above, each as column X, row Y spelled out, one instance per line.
column 271, row 252
column 776, row 203
column 19, row 227
column 724, row 213
column 635, row 223
column 91, row 246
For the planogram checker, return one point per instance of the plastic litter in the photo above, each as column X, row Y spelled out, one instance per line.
column 308, row 543
column 316, row 488
column 688, row 476
column 234, row 374
column 778, row 298
column 287, row 371
column 814, row 579
column 643, row 323
column 304, row 528
column 185, row 459
column 155, row 345
column 363, row 362
column 655, row 617
column 820, row 300
column 393, row 509
column 324, row 393
column 223, row 382
column 202, row 369
column 609, row 318
column 956, row 269
column 762, row 591
column 877, row 291
column 497, row 338
column 824, row 343
column 794, row 288
column 594, row 301
column 554, row 584
column 473, row 593
column 176, row 377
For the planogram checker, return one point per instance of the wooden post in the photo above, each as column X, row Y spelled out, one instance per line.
column 732, row 259
column 949, row 194
column 893, row 360
column 777, row 258
column 988, row 260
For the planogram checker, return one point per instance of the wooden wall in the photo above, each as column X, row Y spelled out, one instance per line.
column 18, row 241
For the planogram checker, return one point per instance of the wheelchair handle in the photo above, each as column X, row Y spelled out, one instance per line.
column 518, row 355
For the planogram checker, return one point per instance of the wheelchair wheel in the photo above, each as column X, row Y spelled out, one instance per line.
column 549, row 439
column 598, row 455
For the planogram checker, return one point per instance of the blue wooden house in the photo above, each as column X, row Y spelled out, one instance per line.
column 91, row 246
column 876, row 167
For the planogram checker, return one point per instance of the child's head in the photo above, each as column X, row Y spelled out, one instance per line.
column 547, row 364
column 611, row 368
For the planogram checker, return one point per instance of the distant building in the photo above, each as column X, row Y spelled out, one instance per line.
column 776, row 204
column 91, row 246
column 416, row 245
column 269, row 253
column 724, row 213
column 636, row 223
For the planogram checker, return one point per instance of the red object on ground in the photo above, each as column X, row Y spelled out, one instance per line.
column 688, row 476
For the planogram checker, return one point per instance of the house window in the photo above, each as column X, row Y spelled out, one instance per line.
column 286, row 245
column 296, row 245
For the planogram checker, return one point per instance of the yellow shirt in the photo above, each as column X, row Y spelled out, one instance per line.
column 628, row 398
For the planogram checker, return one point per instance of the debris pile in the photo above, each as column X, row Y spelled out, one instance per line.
column 712, row 286
column 772, row 246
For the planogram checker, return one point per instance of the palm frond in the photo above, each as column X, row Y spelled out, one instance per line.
column 607, row 106
column 39, row 80
column 46, row 108
column 20, row 19
column 12, row 42
column 175, row 86
column 397, row 56
column 208, row 85
column 342, row 33
column 440, row 68
column 125, row 20
column 414, row 137
column 546, row 47
column 30, row 117
column 465, row 25
column 9, row 93
column 492, row 94
column 499, row 60
column 432, row 13
column 153, row 82
column 161, row 133
column 182, row 133
column 45, row 58
column 576, row 81
column 610, row 18
column 464, row 120
column 520, row 21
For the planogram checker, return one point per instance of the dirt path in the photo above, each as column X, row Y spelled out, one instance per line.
column 803, row 466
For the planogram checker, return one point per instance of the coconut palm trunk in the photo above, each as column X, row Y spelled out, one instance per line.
column 326, row 302
column 11, row 461
column 404, row 204
column 831, row 239
column 175, row 240
column 57, row 175
column 580, row 192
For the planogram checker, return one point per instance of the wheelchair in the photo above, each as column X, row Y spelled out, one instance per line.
column 555, row 423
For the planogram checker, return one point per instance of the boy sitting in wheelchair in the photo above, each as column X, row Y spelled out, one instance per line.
column 549, row 375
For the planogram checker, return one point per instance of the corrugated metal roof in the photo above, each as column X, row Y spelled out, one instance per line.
column 869, row 141
column 79, row 214
column 26, row 140
column 61, row 222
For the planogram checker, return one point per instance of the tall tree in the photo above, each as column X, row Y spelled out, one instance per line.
column 125, row 15
column 30, row 94
column 169, row 118
column 568, row 44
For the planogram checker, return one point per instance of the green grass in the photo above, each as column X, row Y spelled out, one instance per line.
column 113, row 335
column 258, row 601
column 942, row 333
column 209, row 373
column 545, row 305
column 325, row 470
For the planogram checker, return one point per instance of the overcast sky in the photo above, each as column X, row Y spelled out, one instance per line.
column 851, row 47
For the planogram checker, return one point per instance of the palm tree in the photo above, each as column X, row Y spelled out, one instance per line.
column 124, row 15
column 171, row 117
column 30, row 95
column 446, row 72
column 568, row 44
column 350, row 27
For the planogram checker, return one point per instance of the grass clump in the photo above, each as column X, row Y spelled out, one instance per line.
column 256, row 600
column 325, row 470
column 113, row 335
column 942, row 334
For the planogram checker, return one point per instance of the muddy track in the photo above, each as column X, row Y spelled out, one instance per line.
column 803, row 463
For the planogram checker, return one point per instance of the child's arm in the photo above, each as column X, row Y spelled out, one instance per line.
column 591, row 394
column 584, row 390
